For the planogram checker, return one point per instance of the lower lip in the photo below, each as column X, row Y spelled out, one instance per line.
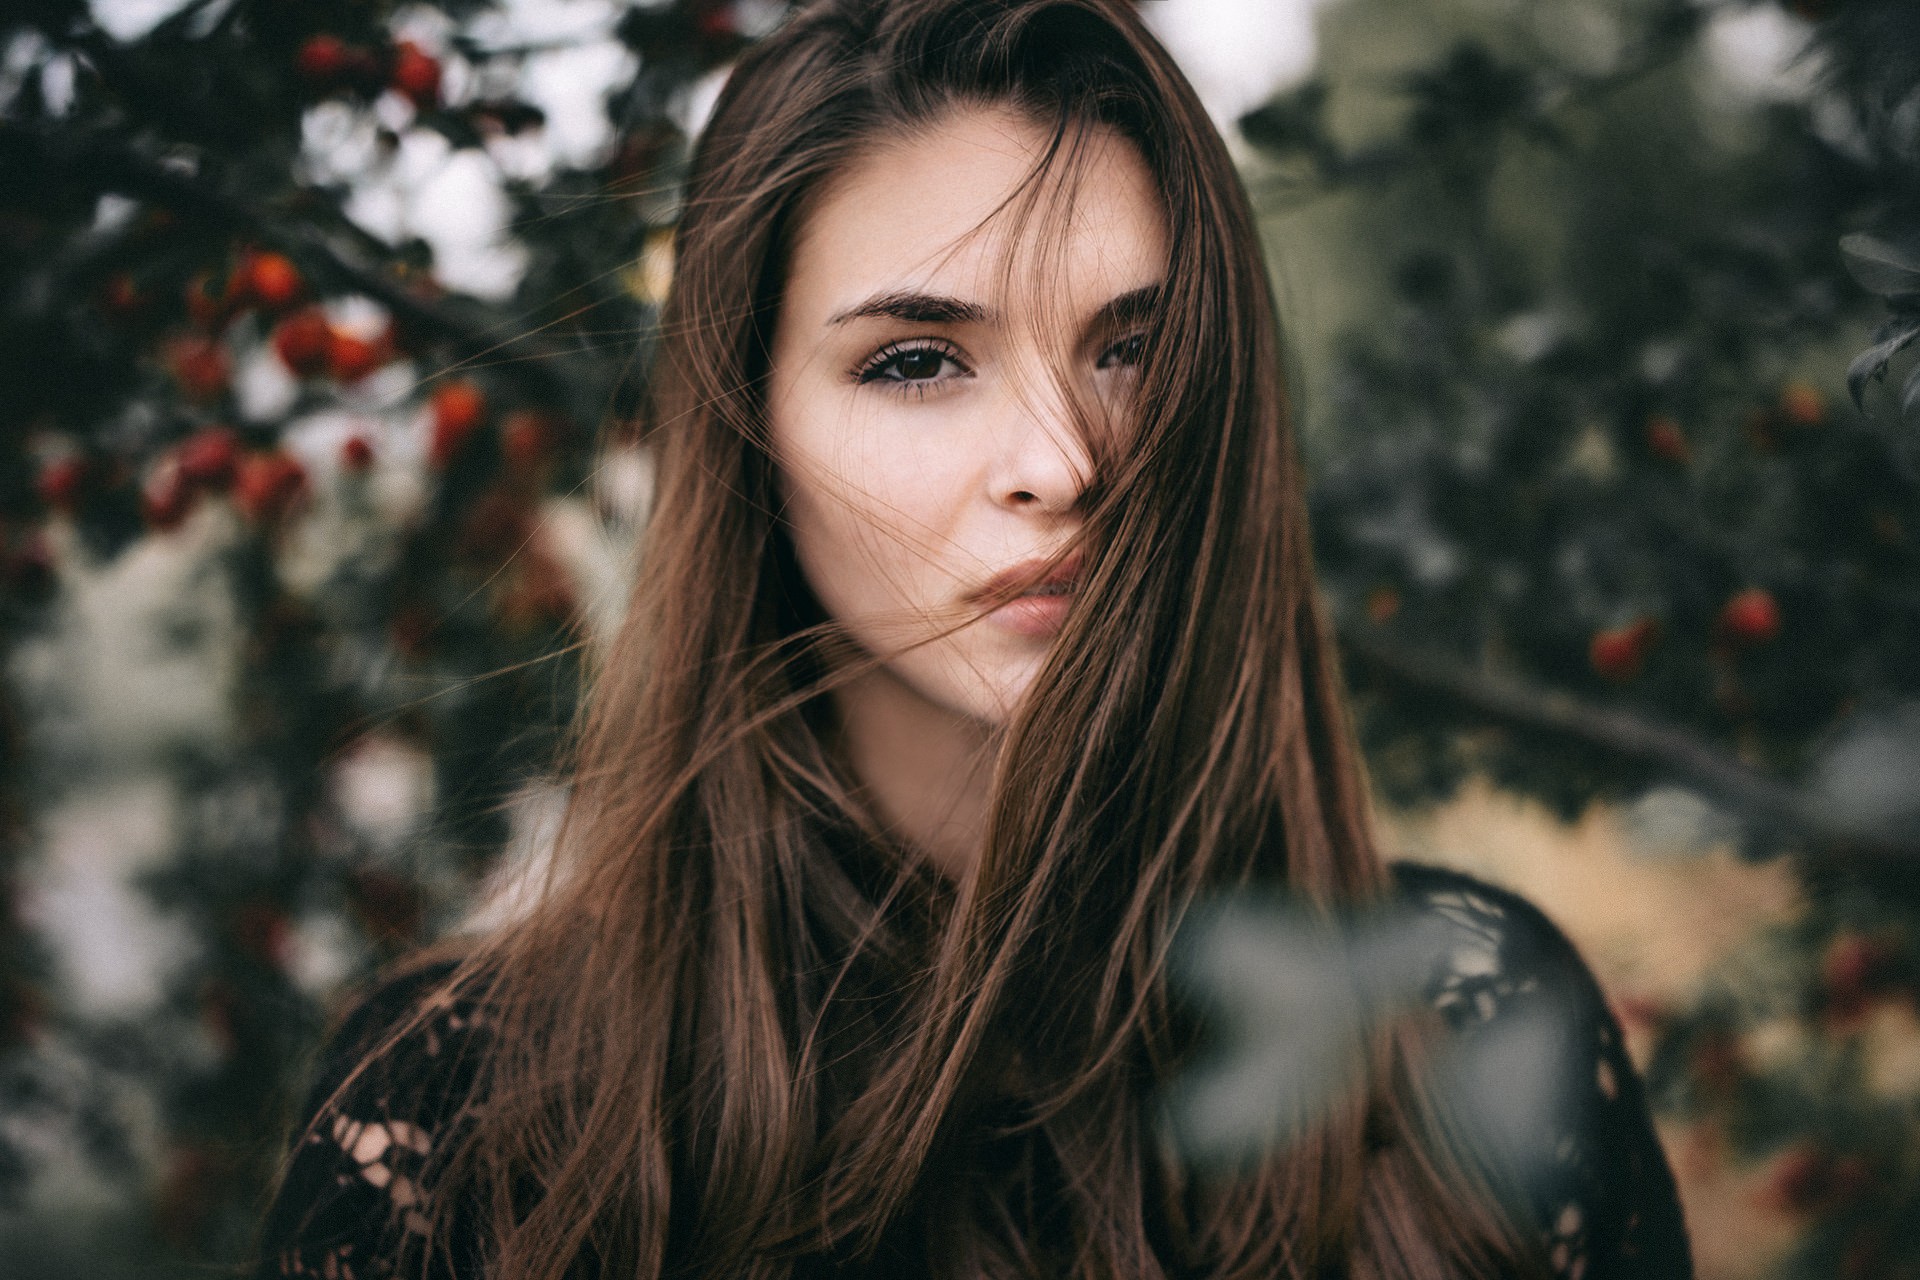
column 1037, row 616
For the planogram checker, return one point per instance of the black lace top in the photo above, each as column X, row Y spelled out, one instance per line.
column 1595, row 1178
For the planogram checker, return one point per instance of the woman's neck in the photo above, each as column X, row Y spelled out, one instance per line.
column 925, row 769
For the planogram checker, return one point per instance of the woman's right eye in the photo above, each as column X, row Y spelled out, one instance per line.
column 916, row 366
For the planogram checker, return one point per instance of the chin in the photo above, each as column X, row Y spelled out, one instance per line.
column 981, row 683
column 994, row 690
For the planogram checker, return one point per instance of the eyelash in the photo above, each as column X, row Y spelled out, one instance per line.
column 873, row 369
column 1136, row 343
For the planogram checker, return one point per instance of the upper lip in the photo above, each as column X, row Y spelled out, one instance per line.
column 1029, row 575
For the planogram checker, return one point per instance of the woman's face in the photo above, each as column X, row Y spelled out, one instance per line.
column 925, row 360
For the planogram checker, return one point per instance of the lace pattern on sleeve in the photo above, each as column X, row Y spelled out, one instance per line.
column 353, row 1201
column 1597, row 1182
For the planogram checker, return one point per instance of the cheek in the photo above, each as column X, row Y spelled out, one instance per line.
column 866, row 524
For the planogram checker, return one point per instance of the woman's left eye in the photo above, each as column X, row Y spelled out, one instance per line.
column 1127, row 351
column 917, row 367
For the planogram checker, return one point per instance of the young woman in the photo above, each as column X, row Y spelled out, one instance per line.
column 975, row 642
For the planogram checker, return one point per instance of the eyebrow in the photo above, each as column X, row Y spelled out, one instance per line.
column 918, row 308
column 1131, row 307
column 935, row 308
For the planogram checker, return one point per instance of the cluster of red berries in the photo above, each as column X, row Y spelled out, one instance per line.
column 1855, row 969
column 310, row 345
column 304, row 339
column 263, row 483
column 459, row 409
column 64, row 482
column 1798, row 406
column 1808, row 1179
column 1747, row 618
column 329, row 63
column 263, row 280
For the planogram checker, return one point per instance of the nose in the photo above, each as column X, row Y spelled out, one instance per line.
column 1043, row 464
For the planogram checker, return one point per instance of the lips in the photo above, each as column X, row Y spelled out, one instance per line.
column 1032, row 599
column 1038, row 576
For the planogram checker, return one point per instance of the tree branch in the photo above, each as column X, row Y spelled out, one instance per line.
column 474, row 334
column 1505, row 701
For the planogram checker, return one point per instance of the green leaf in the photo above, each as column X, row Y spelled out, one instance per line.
column 1882, row 267
column 1872, row 363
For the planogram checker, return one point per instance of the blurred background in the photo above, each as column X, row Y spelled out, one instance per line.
column 323, row 327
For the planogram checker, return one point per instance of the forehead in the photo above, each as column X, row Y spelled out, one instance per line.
column 943, row 209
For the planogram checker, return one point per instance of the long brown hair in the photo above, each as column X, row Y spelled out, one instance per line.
column 744, row 1034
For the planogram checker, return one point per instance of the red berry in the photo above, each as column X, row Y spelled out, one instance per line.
column 1802, row 405
column 263, row 931
column 61, row 481
column 1850, row 961
column 1800, row 1179
column 356, row 455
column 1718, row 1063
column 166, row 499
column 200, row 366
column 328, row 62
column 535, row 592
column 206, row 307
column 1811, row 1179
column 416, row 74
column 1666, row 441
column 1851, row 969
column 267, row 484
column 1751, row 617
column 304, row 342
column 1382, row 604
column 412, row 629
column 351, row 358
column 1618, row 653
column 525, row 440
column 323, row 59
column 120, row 296
column 272, row 280
column 208, row 457
column 458, row 408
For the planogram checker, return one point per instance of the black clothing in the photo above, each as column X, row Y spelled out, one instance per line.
column 1597, row 1182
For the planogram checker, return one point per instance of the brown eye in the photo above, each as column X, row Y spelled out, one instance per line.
column 917, row 366
column 1127, row 351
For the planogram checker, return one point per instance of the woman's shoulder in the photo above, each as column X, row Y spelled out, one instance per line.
column 408, row 1045
column 1495, row 947
column 1540, row 1070
column 391, row 1087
